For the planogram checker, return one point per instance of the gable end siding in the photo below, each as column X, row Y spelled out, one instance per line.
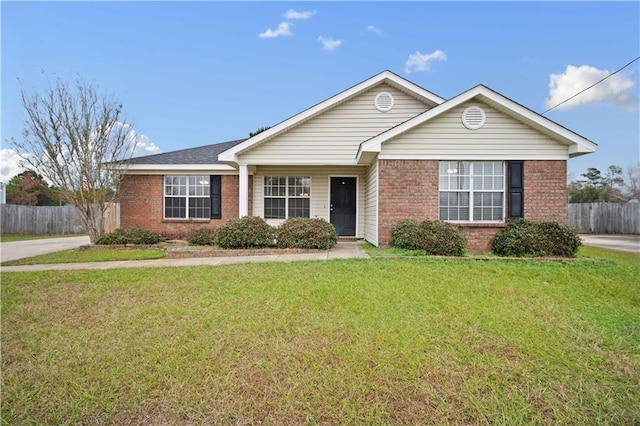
column 501, row 138
column 334, row 137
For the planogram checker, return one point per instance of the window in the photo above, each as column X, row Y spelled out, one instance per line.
column 286, row 196
column 190, row 197
column 472, row 191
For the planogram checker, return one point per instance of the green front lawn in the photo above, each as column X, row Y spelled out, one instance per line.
column 7, row 238
column 101, row 254
column 363, row 341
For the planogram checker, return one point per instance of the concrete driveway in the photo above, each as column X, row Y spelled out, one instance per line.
column 19, row 249
column 616, row 242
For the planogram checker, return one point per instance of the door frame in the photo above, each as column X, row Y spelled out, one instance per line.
column 329, row 177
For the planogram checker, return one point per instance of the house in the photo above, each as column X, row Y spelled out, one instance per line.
column 377, row 153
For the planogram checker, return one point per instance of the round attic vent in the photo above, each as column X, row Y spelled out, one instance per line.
column 473, row 117
column 383, row 101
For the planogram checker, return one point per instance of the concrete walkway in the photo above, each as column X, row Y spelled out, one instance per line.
column 342, row 250
column 21, row 249
column 629, row 243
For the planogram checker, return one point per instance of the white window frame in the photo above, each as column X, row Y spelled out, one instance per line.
column 453, row 168
column 287, row 196
column 187, row 196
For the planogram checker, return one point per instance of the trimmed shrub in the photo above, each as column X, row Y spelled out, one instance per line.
column 524, row 238
column 408, row 235
column 202, row 236
column 246, row 232
column 444, row 239
column 132, row 235
column 307, row 233
column 436, row 238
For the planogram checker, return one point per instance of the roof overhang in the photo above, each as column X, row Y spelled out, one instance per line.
column 176, row 168
column 230, row 156
column 576, row 144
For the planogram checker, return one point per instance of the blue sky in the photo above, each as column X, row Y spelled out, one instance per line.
column 195, row 73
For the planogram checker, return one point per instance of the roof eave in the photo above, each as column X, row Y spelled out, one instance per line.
column 177, row 167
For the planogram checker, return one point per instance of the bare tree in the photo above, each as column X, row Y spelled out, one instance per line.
column 71, row 135
column 632, row 184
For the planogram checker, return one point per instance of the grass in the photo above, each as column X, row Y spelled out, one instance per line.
column 362, row 341
column 374, row 251
column 105, row 254
column 7, row 238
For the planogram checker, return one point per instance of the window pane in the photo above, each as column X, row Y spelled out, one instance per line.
column 275, row 186
column 454, row 175
column 487, row 206
column 175, row 207
column 274, row 208
column 299, row 186
column 454, row 206
column 459, row 179
column 173, row 186
column 488, row 176
column 199, row 208
column 299, row 207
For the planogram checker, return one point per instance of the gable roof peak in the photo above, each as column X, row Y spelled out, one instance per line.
column 578, row 144
column 386, row 76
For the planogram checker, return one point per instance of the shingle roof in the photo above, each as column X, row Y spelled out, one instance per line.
column 207, row 154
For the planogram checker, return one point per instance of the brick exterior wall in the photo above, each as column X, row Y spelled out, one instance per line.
column 545, row 190
column 141, row 203
column 479, row 236
column 408, row 189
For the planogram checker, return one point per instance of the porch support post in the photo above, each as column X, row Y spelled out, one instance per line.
column 243, row 193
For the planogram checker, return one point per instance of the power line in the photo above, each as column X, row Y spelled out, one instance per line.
column 594, row 84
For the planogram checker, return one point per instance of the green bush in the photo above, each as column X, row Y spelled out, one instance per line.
column 436, row 238
column 132, row 235
column 307, row 233
column 524, row 238
column 444, row 239
column 202, row 236
column 408, row 235
column 246, row 232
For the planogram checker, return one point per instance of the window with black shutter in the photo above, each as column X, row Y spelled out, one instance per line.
column 516, row 189
column 216, row 196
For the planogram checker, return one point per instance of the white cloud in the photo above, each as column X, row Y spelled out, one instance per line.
column 138, row 144
column 421, row 61
column 293, row 14
column 617, row 89
column 144, row 145
column 373, row 29
column 329, row 44
column 10, row 164
column 284, row 29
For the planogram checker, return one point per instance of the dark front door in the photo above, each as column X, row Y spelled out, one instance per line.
column 343, row 205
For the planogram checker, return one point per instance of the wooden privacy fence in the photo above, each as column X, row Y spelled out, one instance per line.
column 45, row 220
column 605, row 218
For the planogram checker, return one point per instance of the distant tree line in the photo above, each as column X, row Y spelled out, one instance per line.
column 30, row 189
column 612, row 185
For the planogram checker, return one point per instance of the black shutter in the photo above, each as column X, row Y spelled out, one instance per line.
column 515, row 201
column 215, row 183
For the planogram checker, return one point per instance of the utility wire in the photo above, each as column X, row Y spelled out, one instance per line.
column 594, row 84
